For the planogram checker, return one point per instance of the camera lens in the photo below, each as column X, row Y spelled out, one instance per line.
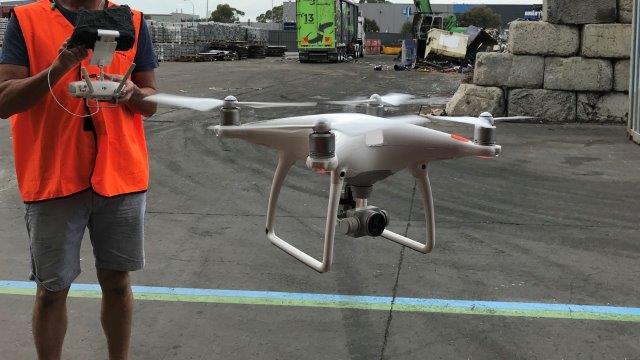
column 376, row 223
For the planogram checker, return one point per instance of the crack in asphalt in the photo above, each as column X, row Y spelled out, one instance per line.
column 441, row 222
column 395, row 285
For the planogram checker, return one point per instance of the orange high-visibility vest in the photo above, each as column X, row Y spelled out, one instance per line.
column 55, row 155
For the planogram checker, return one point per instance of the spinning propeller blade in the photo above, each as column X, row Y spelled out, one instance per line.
column 516, row 119
column 208, row 104
column 194, row 103
column 392, row 99
column 462, row 120
column 265, row 105
column 485, row 120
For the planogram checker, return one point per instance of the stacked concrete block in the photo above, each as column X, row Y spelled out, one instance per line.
column 606, row 41
column 578, row 74
column 559, row 106
column 580, row 11
column 603, row 107
column 517, row 71
column 471, row 98
column 540, row 38
column 625, row 11
column 621, row 76
column 574, row 66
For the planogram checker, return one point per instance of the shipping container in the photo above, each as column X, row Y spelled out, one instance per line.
column 329, row 30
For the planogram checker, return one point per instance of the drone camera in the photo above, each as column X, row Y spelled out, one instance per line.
column 368, row 221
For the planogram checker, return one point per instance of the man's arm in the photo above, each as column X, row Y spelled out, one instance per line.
column 141, row 85
column 19, row 92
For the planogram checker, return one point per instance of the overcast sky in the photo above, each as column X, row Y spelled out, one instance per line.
column 253, row 8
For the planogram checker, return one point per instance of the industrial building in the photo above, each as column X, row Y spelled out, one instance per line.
column 391, row 16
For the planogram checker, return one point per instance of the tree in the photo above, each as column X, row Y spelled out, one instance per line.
column 371, row 26
column 481, row 16
column 407, row 29
column 226, row 14
column 272, row 16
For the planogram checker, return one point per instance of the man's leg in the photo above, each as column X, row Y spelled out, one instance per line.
column 55, row 230
column 116, row 227
column 49, row 323
column 117, row 310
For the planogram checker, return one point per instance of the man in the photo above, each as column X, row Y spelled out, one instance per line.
column 77, row 171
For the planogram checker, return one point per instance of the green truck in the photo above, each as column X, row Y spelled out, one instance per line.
column 329, row 30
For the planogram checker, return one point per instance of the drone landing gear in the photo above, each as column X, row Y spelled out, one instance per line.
column 358, row 219
column 337, row 180
column 421, row 174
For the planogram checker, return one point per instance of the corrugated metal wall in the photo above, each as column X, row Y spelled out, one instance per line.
column 634, row 91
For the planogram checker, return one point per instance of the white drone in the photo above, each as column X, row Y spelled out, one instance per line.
column 358, row 150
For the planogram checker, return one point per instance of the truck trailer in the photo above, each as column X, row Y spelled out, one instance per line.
column 329, row 30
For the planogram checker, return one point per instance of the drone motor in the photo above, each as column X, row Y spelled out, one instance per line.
column 322, row 148
column 484, row 135
column 229, row 112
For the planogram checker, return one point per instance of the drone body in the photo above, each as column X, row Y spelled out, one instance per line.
column 356, row 151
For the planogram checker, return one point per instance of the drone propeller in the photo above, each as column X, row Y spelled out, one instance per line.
column 208, row 104
column 485, row 120
column 393, row 99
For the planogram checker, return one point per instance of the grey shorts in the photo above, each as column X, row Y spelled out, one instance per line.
column 56, row 228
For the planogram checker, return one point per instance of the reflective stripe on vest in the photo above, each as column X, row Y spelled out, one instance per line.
column 54, row 155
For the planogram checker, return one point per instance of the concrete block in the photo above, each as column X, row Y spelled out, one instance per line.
column 548, row 105
column 473, row 100
column 598, row 107
column 541, row 38
column 621, row 76
column 578, row 74
column 504, row 69
column 607, row 41
column 580, row 11
column 625, row 11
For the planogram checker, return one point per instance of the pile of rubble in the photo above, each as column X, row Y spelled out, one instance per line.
column 187, row 41
column 574, row 66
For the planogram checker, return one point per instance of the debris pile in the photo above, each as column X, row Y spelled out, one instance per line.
column 447, row 51
column 572, row 67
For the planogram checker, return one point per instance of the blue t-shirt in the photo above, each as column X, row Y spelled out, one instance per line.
column 14, row 50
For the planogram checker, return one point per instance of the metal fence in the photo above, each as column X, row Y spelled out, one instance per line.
column 634, row 91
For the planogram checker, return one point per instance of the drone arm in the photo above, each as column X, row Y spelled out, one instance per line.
column 284, row 165
column 422, row 176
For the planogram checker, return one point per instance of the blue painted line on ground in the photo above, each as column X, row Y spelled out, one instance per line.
column 372, row 301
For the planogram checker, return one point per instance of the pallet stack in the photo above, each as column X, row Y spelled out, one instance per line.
column 574, row 66
column 176, row 41
column 3, row 28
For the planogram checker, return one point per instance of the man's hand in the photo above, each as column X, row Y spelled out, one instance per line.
column 129, row 90
column 69, row 58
